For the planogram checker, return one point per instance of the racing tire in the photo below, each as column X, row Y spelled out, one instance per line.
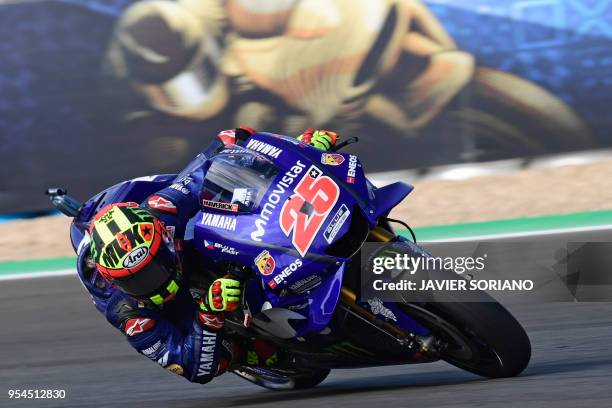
column 482, row 337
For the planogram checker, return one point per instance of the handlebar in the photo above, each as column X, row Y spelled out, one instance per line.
column 347, row 142
column 62, row 201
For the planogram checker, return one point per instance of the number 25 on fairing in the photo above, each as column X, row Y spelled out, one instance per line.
column 306, row 210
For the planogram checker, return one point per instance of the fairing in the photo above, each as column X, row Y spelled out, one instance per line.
column 299, row 277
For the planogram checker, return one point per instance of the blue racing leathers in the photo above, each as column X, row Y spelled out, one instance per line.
column 178, row 335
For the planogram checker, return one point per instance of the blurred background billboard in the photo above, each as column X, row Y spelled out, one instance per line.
column 93, row 92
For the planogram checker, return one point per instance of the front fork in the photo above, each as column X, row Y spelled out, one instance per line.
column 422, row 345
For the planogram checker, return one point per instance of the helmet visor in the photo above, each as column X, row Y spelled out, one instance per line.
column 153, row 277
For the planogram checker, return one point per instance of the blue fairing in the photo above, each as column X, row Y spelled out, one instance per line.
column 135, row 190
column 256, row 225
column 387, row 197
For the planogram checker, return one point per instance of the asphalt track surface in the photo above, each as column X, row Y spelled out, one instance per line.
column 53, row 338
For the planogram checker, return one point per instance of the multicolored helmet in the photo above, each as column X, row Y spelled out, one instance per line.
column 133, row 251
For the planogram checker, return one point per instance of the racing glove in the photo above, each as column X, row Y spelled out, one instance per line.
column 321, row 139
column 235, row 136
column 223, row 296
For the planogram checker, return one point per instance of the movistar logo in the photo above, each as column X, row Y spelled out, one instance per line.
column 274, row 198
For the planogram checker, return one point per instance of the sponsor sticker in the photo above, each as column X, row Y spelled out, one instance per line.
column 108, row 216
column 306, row 284
column 332, row 159
column 336, row 223
column 207, row 353
column 150, row 351
column 378, row 308
column 181, row 185
column 227, row 137
column 244, row 196
column 218, row 205
column 274, row 198
column 352, row 169
column 314, row 172
column 232, row 151
column 162, row 204
column 212, row 321
column 286, row 272
column 225, row 222
column 226, row 249
column 137, row 326
column 135, row 257
column 265, row 263
column 264, row 148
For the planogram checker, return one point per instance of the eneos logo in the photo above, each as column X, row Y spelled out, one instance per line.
column 352, row 169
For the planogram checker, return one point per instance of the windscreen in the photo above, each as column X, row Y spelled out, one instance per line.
column 238, row 176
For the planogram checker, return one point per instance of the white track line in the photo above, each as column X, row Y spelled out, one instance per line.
column 560, row 231
column 522, row 234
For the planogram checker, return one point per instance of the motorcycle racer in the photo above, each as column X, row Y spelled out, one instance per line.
column 146, row 280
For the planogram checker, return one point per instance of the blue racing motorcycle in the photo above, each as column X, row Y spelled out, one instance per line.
column 293, row 220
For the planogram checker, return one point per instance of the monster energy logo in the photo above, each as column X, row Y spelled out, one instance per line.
column 113, row 251
column 346, row 347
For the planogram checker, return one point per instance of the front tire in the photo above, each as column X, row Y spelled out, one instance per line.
column 481, row 337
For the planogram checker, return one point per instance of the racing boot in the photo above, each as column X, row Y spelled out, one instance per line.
column 256, row 352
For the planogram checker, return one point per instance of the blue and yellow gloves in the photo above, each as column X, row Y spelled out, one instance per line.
column 321, row 139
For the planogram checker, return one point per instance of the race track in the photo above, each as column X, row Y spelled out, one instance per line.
column 53, row 338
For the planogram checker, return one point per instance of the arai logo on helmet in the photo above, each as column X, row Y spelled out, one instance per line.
column 135, row 257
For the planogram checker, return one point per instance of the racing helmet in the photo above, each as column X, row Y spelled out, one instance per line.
column 132, row 250
column 171, row 57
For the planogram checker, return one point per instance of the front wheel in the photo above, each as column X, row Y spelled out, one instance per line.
column 480, row 337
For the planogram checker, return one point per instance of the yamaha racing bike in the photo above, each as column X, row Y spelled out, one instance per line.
column 290, row 221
